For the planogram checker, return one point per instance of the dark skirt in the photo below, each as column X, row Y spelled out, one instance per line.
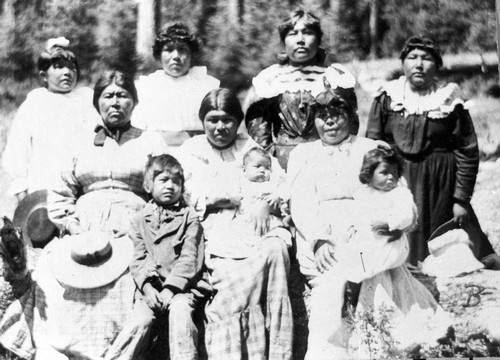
column 432, row 182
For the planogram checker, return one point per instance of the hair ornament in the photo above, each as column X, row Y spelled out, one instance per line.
column 54, row 43
column 335, row 96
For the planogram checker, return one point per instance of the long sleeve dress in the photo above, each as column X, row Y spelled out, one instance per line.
column 394, row 208
column 434, row 134
column 44, row 132
column 250, row 315
column 280, row 118
column 324, row 180
column 100, row 191
column 168, row 103
column 102, row 188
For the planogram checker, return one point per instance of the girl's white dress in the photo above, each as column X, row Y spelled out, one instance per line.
column 45, row 130
column 323, row 182
column 365, row 252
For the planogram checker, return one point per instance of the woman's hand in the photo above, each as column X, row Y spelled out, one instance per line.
column 324, row 256
column 460, row 213
column 491, row 262
column 152, row 297
column 260, row 216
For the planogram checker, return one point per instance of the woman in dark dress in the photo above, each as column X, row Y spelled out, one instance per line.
column 280, row 118
column 432, row 130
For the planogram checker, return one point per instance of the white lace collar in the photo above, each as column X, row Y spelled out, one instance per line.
column 277, row 79
column 438, row 101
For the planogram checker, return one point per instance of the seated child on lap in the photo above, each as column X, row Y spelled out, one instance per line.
column 231, row 230
column 387, row 212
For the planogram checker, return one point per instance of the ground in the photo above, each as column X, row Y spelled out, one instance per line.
column 486, row 199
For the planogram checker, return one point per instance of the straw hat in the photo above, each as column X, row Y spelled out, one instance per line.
column 32, row 217
column 89, row 260
column 450, row 252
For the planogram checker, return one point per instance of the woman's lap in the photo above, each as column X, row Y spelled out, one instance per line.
column 250, row 311
column 78, row 321
column 108, row 209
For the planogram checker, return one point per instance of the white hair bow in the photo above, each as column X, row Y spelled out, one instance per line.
column 57, row 42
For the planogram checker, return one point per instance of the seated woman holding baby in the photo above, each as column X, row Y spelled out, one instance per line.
column 232, row 184
column 340, row 239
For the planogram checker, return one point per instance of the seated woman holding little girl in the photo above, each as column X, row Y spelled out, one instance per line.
column 324, row 178
column 249, row 315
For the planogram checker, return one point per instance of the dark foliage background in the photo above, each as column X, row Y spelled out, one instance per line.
column 236, row 46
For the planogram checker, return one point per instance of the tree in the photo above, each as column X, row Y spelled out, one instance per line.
column 116, row 36
column 77, row 22
column 21, row 41
column 148, row 22
column 374, row 28
column 235, row 10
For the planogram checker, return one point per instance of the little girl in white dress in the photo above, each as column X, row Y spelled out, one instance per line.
column 389, row 293
column 376, row 239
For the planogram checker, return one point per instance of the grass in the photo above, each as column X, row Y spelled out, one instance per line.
column 486, row 199
column 462, row 340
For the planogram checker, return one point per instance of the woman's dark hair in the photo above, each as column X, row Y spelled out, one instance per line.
column 374, row 158
column 159, row 164
column 57, row 55
column 177, row 32
column 114, row 77
column 341, row 99
column 422, row 43
column 221, row 99
column 310, row 21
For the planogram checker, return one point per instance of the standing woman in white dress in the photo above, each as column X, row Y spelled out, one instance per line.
column 170, row 97
column 48, row 123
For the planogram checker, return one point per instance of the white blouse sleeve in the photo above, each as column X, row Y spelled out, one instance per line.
column 403, row 214
column 61, row 201
column 305, row 204
column 18, row 151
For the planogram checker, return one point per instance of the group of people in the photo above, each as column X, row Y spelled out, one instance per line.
column 174, row 203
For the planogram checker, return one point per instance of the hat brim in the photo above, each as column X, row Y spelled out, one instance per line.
column 70, row 273
column 31, row 203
